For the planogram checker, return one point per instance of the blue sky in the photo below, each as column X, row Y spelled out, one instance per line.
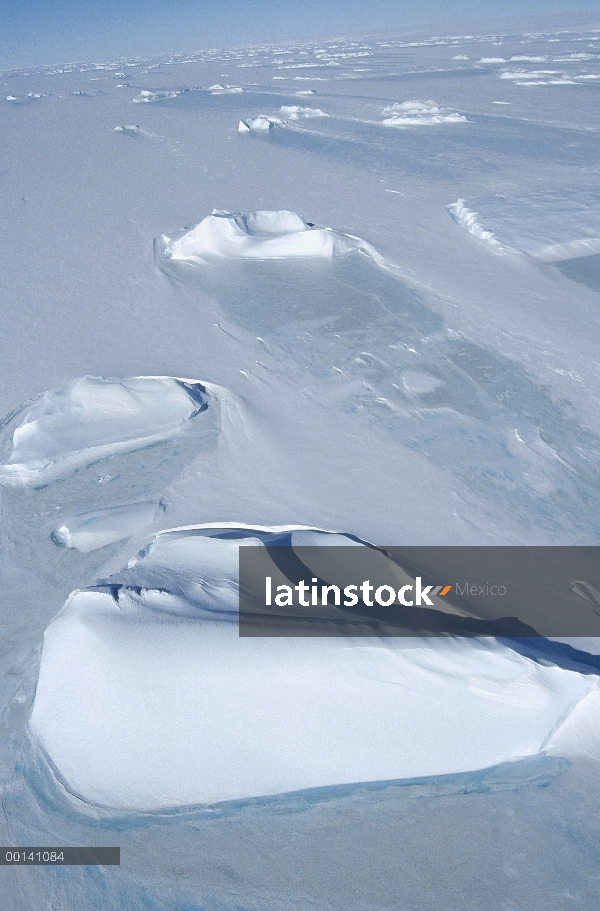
column 52, row 31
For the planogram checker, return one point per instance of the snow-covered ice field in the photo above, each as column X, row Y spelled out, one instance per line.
column 262, row 296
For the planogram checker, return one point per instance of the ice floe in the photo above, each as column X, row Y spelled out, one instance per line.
column 97, row 529
column 258, row 235
column 419, row 113
column 148, row 698
column 549, row 226
column 92, row 418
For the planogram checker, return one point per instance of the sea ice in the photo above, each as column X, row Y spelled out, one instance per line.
column 92, row 418
column 146, row 699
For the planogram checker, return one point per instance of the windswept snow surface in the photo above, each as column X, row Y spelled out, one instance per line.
column 549, row 226
column 362, row 364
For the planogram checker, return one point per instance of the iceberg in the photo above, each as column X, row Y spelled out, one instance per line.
column 258, row 235
column 295, row 112
column 260, row 124
column 93, row 530
column 147, row 97
column 92, row 418
column 419, row 113
column 148, row 699
column 219, row 89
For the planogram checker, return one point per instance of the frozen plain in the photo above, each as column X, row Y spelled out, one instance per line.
column 388, row 373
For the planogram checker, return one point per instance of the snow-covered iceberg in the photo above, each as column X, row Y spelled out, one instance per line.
column 419, row 113
column 146, row 97
column 258, row 235
column 295, row 112
column 92, row 418
column 219, row 89
column 261, row 124
column 93, row 530
column 147, row 697
column 265, row 122
column 550, row 226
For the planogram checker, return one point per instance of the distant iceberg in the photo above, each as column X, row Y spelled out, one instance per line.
column 92, row 418
column 146, row 97
column 130, row 129
column 219, row 89
column 419, row 113
column 257, row 235
column 295, row 112
column 549, row 226
column 267, row 122
column 261, row 123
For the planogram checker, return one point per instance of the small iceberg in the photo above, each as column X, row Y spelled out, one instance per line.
column 92, row 418
column 257, row 235
column 260, row 124
column 419, row 113
column 129, row 129
column 295, row 112
column 265, row 122
column 94, row 530
column 219, row 89
column 146, row 97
